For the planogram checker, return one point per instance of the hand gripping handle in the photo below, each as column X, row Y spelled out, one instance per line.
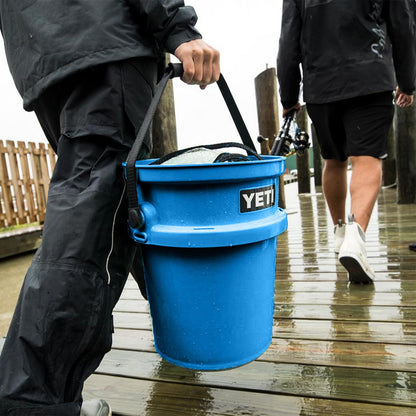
column 136, row 219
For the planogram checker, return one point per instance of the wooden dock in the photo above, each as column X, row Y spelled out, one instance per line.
column 20, row 241
column 337, row 349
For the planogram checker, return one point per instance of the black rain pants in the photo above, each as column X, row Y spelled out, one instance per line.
column 62, row 325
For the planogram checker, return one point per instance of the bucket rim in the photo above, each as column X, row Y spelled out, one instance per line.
column 236, row 234
column 147, row 163
column 270, row 166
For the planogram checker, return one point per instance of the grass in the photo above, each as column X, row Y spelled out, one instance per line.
column 18, row 227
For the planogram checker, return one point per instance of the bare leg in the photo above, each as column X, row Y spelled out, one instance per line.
column 364, row 187
column 334, row 186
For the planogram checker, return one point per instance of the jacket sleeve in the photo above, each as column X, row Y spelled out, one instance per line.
column 289, row 54
column 169, row 22
column 400, row 16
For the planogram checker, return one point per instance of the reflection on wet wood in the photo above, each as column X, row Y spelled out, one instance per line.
column 139, row 397
column 367, row 331
column 302, row 297
column 268, row 377
column 337, row 349
column 310, row 275
column 347, row 313
column 380, row 332
column 320, row 352
column 336, row 300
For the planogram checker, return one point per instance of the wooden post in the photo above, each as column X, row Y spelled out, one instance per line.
column 317, row 159
column 268, row 116
column 405, row 127
column 302, row 160
column 389, row 164
column 164, row 123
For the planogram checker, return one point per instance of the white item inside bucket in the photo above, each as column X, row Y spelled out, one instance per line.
column 201, row 155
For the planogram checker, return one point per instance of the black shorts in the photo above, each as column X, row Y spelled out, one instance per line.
column 354, row 127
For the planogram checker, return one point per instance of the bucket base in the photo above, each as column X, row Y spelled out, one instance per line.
column 212, row 308
column 213, row 367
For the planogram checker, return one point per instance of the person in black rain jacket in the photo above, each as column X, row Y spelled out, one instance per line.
column 87, row 68
column 349, row 56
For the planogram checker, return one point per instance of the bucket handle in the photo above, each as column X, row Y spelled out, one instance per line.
column 136, row 219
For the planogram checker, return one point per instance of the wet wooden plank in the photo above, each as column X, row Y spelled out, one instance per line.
column 355, row 296
column 324, row 311
column 369, row 386
column 359, row 297
column 342, row 354
column 325, row 252
column 363, row 331
column 329, row 353
column 380, row 332
column 319, row 268
column 340, row 275
column 338, row 288
column 137, row 397
column 347, row 313
column 398, row 287
column 329, row 259
column 378, row 236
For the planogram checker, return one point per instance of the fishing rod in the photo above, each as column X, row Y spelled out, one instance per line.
column 289, row 135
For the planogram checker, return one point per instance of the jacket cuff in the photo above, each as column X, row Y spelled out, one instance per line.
column 289, row 104
column 176, row 39
column 408, row 91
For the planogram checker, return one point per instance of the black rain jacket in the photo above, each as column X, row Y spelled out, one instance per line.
column 346, row 48
column 47, row 40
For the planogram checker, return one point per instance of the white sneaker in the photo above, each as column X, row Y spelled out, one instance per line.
column 95, row 407
column 353, row 255
column 339, row 234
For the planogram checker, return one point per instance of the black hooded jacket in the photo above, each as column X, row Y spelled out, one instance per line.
column 47, row 40
column 346, row 48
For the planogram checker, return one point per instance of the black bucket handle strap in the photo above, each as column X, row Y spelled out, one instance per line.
column 235, row 113
column 172, row 71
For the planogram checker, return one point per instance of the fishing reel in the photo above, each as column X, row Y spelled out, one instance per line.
column 301, row 142
column 289, row 135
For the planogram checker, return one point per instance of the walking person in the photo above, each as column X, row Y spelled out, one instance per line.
column 350, row 57
column 88, row 69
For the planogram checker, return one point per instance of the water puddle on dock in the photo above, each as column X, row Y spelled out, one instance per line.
column 12, row 273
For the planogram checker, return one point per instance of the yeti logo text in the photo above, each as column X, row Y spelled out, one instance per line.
column 256, row 199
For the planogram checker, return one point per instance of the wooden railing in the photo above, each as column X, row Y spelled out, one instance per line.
column 25, row 171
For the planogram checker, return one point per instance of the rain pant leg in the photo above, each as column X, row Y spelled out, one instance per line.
column 62, row 324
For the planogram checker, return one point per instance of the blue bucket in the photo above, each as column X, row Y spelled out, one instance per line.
column 209, row 246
